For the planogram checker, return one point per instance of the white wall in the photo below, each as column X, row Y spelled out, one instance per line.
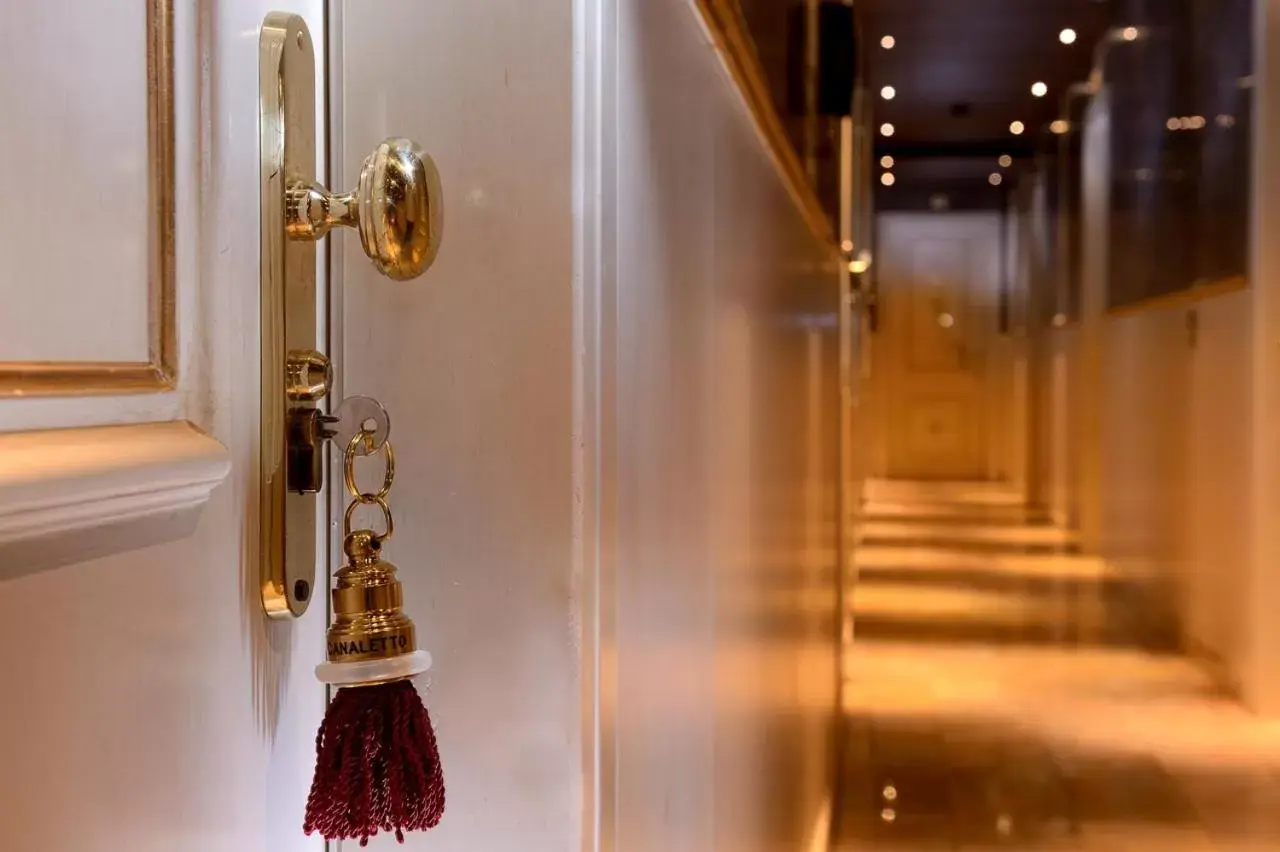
column 1220, row 471
column 724, row 375
column 1261, row 687
column 1144, row 402
column 1173, row 503
column 607, row 428
column 1055, row 387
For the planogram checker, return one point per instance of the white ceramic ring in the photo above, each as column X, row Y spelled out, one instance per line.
column 373, row 671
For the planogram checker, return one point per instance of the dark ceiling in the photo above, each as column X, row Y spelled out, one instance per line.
column 962, row 71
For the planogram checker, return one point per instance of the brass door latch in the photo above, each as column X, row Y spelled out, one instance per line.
column 396, row 212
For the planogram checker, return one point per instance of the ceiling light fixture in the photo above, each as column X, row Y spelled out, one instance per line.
column 888, row 93
column 994, row 179
column 1005, row 161
column 886, row 129
column 1067, row 36
column 887, row 42
column 1039, row 89
column 886, row 161
column 1016, row 128
column 1129, row 34
column 887, row 178
column 1060, row 127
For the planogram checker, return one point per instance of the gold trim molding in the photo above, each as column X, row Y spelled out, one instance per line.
column 158, row 373
column 724, row 22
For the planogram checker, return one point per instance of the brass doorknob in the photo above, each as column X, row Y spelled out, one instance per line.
column 396, row 208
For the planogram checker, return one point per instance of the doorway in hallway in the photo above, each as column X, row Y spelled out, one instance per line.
column 940, row 370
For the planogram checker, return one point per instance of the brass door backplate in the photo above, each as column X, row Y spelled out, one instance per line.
column 396, row 212
column 294, row 374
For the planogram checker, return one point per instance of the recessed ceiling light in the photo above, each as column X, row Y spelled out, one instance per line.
column 1016, row 128
column 994, row 179
column 886, row 129
column 1174, row 124
column 887, row 42
column 886, row 161
column 888, row 93
column 1129, row 34
column 1067, row 36
column 887, row 178
column 1005, row 161
column 1060, row 126
column 1039, row 89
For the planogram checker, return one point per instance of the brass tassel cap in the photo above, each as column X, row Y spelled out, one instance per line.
column 368, row 616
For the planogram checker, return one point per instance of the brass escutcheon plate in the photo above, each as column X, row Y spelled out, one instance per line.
column 286, row 101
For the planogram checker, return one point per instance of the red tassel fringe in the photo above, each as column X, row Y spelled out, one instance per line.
column 377, row 767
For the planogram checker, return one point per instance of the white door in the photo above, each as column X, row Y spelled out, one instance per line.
column 938, row 383
column 147, row 702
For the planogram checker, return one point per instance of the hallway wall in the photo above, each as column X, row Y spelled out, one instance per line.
column 1219, row 498
column 1147, row 445
column 1175, row 495
column 719, row 350
column 1172, row 506
column 1056, row 388
column 1150, row 457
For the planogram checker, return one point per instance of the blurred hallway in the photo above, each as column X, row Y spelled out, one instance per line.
column 1003, row 691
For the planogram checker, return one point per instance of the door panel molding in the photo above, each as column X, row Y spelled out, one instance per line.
column 158, row 372
column 67, row 495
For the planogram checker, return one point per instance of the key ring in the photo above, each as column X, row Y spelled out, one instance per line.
column 349, row 468
column 386, row 515
column 379, row 498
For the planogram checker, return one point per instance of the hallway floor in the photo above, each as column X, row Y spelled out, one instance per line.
column 1003, row 692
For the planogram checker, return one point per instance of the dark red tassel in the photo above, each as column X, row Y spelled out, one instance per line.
column 377, row 767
